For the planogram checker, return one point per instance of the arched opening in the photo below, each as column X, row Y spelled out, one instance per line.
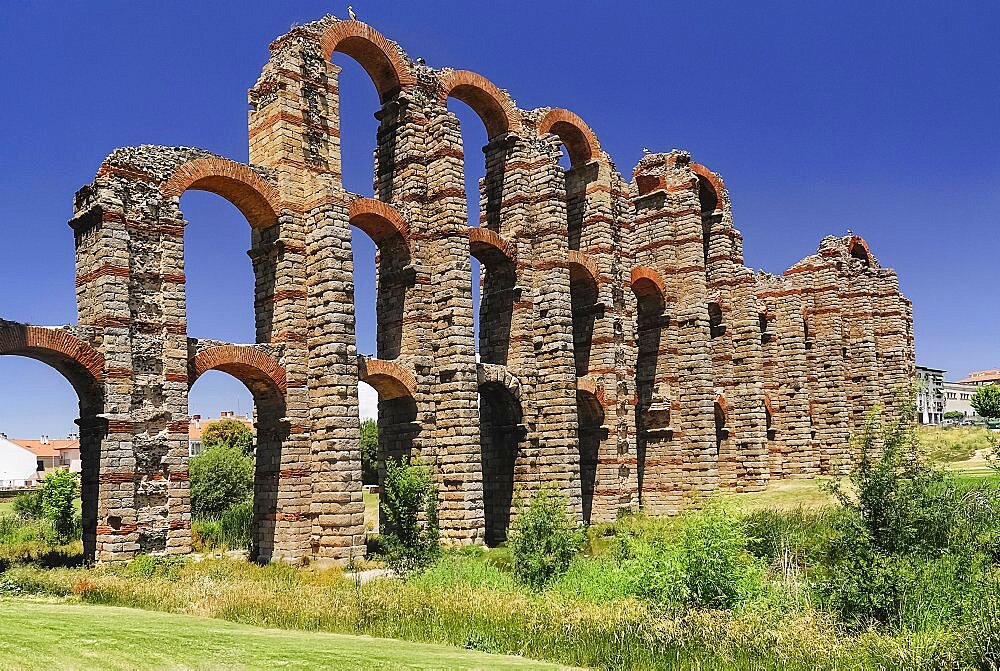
column 649, row 415
column 709, row 202
column 585, row 301
column 721, row 426
column 500, row 434
column 263, row 380
column 398, row 425
column 474, row 145
column 31, row 411
column 590, row 421
column 716, row 327
column 383, row 276
column 579, row 148
column 498, row 294
column 220, row 285
column 359, row 126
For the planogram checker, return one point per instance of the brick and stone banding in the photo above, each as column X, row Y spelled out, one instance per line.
column 627, row 357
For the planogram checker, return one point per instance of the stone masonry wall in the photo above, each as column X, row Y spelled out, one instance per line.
column 626, row 357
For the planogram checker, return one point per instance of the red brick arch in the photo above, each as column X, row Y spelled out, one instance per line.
column 77, row 361
column 377, row 219
column 254, row 196
column 581, row 265
column 489, row 247
column 858, row 248
column 645, row 279
column 248, row 364
column 388, row 378
column 494, row 107
column 713, row 180
column 578, row 138
column 381, row 59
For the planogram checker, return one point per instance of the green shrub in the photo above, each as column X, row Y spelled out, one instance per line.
column 702, row 560
column 543, row 540
column 206, row 535
column 410, row 540
column 221, row 477
column 28, row 505
column 58, row 492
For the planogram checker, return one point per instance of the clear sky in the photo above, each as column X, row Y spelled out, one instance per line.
column 881, row 118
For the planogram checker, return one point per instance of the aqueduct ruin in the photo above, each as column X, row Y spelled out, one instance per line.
column 626, row 356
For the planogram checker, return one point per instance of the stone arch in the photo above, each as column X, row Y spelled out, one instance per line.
column 578, row 138
column 254, row 196
column 711, row 186
column 590, row 430
column 83, row 367
column 247, row 363
column 378, row 220
column 388, row 378
column 858, row 248
column 501, row 434
column 498, row 293
column 395, row 273
column 585, row 302
column 383, row 60
column 646, row 281
column 268, row 383
column 494, row 106
column 74, row 359
column 490, row 248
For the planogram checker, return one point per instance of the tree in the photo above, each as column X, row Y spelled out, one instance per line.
column 58, row 493
column 411, row 540
column 221, row 477
column 986, row 401
column 231, row 432
column 369, row 452
column 954, row 414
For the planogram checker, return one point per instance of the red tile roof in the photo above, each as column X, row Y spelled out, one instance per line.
column 50, row 448
column 983, row 376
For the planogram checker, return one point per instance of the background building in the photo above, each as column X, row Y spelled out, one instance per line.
column 957, row 397
column 930, row 395
column 982, row 377
column 18, row 465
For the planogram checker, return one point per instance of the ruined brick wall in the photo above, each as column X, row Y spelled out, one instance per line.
column 626, row 355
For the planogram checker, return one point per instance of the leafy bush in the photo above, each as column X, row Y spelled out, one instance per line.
column 369, row 452
column 58, row 493
column 28, row 505
column 702, row 561
column 410, row 540
column 228, row 433
column 915, row 548
column 543, row 540
column 221, row 477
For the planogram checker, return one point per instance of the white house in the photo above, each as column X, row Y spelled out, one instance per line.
column 18, row 465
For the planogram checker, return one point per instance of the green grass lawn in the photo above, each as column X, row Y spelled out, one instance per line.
column 47, row 635
column 371, row 512
column 6, row 506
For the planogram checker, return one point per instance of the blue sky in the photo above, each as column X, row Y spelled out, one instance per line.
column 878, row 117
